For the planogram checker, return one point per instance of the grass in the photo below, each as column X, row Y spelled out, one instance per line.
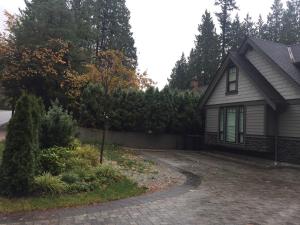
column 120, row 190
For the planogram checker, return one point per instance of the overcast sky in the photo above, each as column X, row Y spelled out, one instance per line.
column 163, row 29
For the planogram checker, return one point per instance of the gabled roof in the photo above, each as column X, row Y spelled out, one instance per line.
column 284, row 57
column 278, row 54
column 272, row 97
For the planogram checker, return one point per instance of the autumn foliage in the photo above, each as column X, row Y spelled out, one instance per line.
column 42, row 71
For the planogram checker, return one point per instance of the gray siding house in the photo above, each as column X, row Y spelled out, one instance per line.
column 253, row 102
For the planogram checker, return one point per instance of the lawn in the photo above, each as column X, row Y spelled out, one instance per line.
column 123, row 189
column 113, row 186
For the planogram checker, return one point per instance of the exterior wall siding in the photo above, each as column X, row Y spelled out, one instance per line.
column 287, row 88
column 255, row 120
column 246, row 91
column 212, row 118
column 289, row 122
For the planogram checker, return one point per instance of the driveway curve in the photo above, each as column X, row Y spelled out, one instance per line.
column 230, row 193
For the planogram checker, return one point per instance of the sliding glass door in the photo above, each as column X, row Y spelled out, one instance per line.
column 231, row 125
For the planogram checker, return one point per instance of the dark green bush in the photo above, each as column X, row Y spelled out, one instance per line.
column 19, row 158
column 58, row 128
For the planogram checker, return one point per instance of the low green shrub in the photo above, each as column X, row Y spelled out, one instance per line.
column 57, row 128
column 74, row 163
column 47, row 184
column 85, row 175
column 70, row 178
column 54, row 160
column 89, row 153
column 106, row 173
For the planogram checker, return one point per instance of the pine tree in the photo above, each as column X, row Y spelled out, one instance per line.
column 113, row 30
column 19, row 157
column 248, row 27
column 82, row 11
column 42, row 20
column 227, row 6
column 179, row 77
column 205, row 58
column 261, row 28
column 236, row 34
column 289, row 32
column 274, row 23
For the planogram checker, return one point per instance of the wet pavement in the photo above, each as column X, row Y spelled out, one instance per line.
column 217, row 191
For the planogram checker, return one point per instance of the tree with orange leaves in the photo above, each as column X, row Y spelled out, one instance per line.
column 43, row 71
column 110, row 69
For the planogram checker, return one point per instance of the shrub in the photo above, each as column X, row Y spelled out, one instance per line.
column 57, row 128
column 89, row 153
column 106, row 173
column 49, row 185
column 54, row 160
column 74, row 163
column 19, row 157
column 70, row 178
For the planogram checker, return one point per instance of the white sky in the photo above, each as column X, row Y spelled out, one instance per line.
column 163, row 29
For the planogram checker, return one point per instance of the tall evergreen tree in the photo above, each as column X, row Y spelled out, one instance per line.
column 261, row 28
column 274, row 23
column 205, row 58
column 289, row 33
column 179, row 77
column 248, row 27
column 82, row 11
column 227, row 6
column 42, row 20
column 112, row 28
column 236, row 35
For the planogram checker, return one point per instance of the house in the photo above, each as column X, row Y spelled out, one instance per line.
column 253, row 102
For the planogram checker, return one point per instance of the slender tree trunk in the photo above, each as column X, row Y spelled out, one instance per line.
column 102, row 144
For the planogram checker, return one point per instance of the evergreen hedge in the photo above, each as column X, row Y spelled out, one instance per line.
column 150, row 111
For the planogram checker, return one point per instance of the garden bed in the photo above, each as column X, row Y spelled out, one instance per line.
column 124, row 174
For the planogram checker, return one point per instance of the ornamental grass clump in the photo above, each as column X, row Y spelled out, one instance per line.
column 48, row 184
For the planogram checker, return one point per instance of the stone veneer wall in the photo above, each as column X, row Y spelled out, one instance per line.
column 211, row 138
column 289, row 150
column 259, row 143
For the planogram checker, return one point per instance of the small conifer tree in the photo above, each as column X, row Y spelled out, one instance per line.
column 19, row 157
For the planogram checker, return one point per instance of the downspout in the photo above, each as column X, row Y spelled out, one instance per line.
column 276, row 138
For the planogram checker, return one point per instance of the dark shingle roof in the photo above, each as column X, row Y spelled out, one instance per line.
column 279, row 54
column 296, row 53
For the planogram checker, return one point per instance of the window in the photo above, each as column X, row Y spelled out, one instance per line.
column 232, row 83
column 221, row 125
column 232, row 125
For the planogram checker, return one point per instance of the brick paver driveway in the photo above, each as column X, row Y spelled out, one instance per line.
column 229, row 193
